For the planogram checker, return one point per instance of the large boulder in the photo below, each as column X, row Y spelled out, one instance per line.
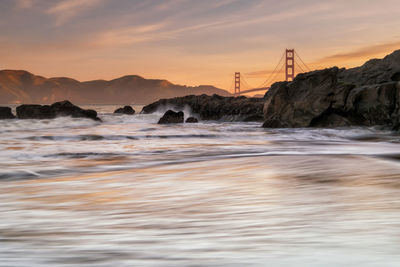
column 213, row 107
column 365, row 96
column 309, row 96
column 58, row 109
column 171, row 117
column 128, row 110
column 5, row 113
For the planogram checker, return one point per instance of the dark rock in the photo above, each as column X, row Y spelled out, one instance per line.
column 214, row 107
column 309, row 96
column 5, row 113
column 191, row 120
column 66, row 108
column 128, row 110
column 365, row 96
column 35, row 112
column 58, row 109
column 255, row 117
column 395, row 77
column 171, row 117
column 374, row 71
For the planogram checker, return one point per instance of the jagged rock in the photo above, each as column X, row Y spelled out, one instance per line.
column 171, row 117
column 374, row 71
column 309, row 96
column 367, row 95
column 5, row 113
column 128, row 110
column 214, row 107
column 58, row 109
column 191, row 120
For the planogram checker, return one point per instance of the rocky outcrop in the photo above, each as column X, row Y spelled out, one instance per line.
column 5, row 113
column 365, row 96
column 213, row 107
column 171, row 117
column 191, row 120
column 128, row 110
column 58, row 109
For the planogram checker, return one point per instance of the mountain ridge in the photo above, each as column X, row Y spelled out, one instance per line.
column 21, row 86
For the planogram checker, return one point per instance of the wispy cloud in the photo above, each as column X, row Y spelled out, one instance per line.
column 67, row 9
column 279, row 16
column 146, row 33
column 25, row 3
column 129, row 35
column 362, row 53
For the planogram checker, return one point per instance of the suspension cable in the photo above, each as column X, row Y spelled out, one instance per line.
column 245, row 83
column 273, row 72
column 302, row 61
column 276, row 75
column 297, row 64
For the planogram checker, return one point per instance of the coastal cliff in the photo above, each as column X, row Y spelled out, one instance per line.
column 364, row 96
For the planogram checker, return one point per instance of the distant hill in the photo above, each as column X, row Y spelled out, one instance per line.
column 18, row 86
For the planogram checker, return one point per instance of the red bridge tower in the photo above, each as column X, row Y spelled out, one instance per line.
column 289, row 64
column 237, row 83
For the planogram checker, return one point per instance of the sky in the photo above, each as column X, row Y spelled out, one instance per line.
column 191, row 42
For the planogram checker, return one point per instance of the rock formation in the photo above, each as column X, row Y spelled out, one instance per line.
column 214, row 107
column 365, row 96
column 191, row 120
column 5, row 113
column 58, row 109
column 128, row 110
column 171, row 117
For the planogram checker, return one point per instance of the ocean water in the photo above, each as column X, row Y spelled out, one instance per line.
column 130, row 192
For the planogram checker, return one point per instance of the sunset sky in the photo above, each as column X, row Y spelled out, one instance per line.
column 191, row 42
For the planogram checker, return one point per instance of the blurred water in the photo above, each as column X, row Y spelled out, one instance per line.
column 129, row 192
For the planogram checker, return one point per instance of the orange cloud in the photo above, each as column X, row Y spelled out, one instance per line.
column 361, row 53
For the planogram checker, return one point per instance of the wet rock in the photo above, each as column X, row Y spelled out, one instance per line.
column 5, row 113
column 128, row 110
column 66, row 108
column 171, row 117
column 309, row 96
column 365, row 96
column 191, row 120
column 35, row 112
column 58, row 109
column 214, row 107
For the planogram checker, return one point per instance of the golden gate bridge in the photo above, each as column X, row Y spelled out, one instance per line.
column 289, row 60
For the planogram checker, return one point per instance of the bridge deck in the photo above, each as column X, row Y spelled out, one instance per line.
column 253, row 90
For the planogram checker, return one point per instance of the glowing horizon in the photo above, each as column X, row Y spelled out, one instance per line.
column 190, row 42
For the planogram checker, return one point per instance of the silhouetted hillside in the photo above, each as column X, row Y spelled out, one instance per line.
column 18, row 86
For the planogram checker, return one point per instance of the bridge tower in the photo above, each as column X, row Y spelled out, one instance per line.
column 237, row 83
column 289, row 56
